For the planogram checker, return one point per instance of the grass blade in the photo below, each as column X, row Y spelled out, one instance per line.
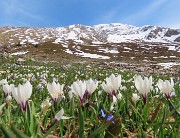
column 19, row 133
column 7, row 133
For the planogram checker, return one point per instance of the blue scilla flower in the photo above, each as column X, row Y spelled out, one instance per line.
column 109, row 117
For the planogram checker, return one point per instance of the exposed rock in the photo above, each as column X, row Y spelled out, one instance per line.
column 171, row 32
column 177, row 39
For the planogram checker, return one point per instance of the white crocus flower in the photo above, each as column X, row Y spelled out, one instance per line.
column 135, row 97
column 55, row 79
column 116, row 81
column 22, row 93
column 166, row 87
column 143, row 86
column 79, row 88
column 29, row 76
column 7, row 89
column 55, row 89
column 112, row 84
column 45, row 105
column 99, row 92
column 115, row 99
column 91, row 86
column 124, row 88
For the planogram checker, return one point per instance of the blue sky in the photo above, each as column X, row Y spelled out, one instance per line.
column 54, row 13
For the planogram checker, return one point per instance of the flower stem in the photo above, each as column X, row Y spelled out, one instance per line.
column 9, row 113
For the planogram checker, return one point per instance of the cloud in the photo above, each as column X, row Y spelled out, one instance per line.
column 171, row 17
column 19, row 13
column 115, row 14
column 145, row 12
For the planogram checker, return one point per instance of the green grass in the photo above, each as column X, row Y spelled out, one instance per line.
column 154, row 119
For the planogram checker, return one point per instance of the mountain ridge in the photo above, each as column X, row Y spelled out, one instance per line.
column 101, row 33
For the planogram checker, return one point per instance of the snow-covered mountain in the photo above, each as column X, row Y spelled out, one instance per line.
column 112, row 43
column 97, row 34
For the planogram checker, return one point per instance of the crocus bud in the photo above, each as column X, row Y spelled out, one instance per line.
column 113, row 103
column 135, row 97
column 8, row 98
column 119, row 96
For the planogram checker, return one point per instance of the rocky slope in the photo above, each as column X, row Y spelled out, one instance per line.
column 150, row 46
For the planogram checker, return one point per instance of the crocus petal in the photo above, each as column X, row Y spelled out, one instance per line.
column 59, row 114
column 91, row 86
column 103, row 114
column 75, row 88
column 15, row 95
column 65, row 117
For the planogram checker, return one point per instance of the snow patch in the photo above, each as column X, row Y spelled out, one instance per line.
column 172, row 48
column 168, row 64
column 89, row 55
column 57, row 41
column 116, row 39
column 20, row 53
column 68, row 51
column 106, row 50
